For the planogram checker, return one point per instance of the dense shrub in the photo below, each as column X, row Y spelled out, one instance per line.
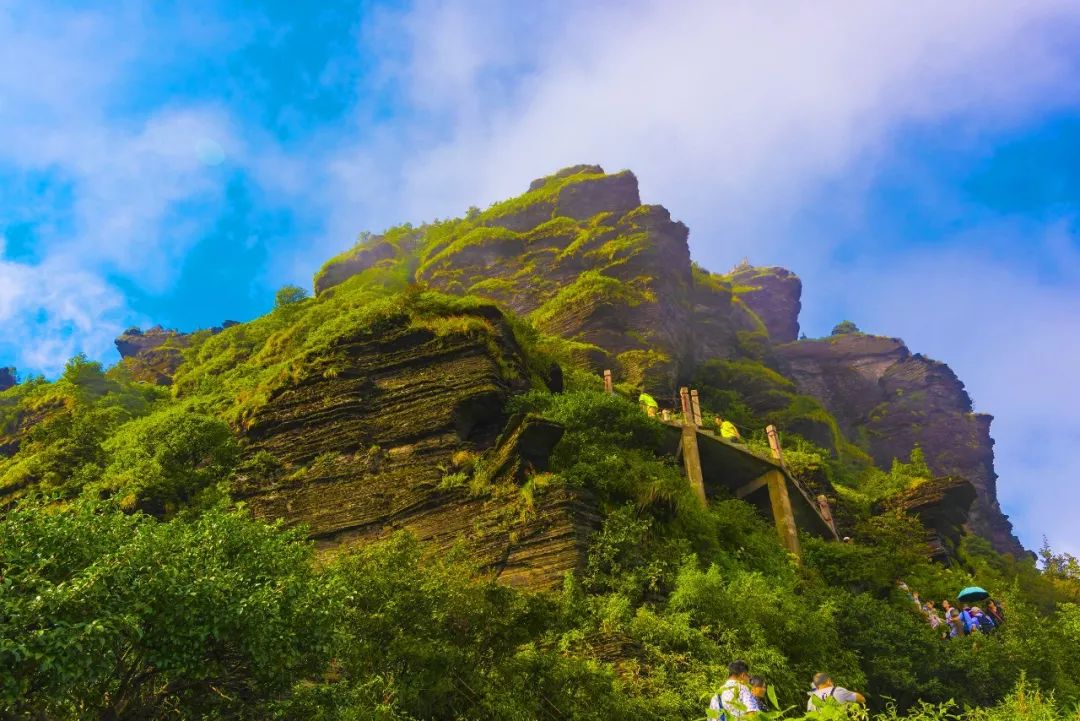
column 110, row 615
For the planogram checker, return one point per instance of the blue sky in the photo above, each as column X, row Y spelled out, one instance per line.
column 915, row 162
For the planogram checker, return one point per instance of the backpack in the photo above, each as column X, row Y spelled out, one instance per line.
column 717, row 708
column 817, row 698
column 986, row 623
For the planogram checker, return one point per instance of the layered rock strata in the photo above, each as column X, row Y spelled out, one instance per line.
column 389, row 431
column 942, row 506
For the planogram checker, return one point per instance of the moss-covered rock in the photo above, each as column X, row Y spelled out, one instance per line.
column 942, row 505
column 368, row 435
column 773, row 294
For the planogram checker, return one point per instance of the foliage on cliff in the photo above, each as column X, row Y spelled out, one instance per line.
column 135, row 585
column 214, row 615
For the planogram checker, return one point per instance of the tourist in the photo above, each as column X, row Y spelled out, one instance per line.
column 931, row 613
column 825, row 689
column 735, row 699
column 728, row 431
column 982, row 620
column 970, row 624
column 759, row 692
column 648, row 403
column 952, row 619
column 993, row 609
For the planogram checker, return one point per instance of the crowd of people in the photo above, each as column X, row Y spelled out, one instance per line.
column 743, row 695
column 953, row 621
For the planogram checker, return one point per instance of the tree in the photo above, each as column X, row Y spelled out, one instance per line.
column 107, row 615
column 1059, row 565
column 85, row 375
column 289, row 295
column 163, row 460
column 844, row 327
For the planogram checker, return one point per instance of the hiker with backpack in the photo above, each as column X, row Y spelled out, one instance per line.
column 983, row 620
column 970, row 624
column 735, row 699
column 825, row 689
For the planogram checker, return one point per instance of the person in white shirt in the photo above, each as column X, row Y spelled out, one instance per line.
column 824, row 689
column 735, row 699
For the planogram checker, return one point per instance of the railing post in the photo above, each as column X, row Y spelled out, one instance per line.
column 609, row 387
column 774, row 444
column 826, row 513
column 780, row 501
column 692, row 462
column 695, row 405
column 687, row 413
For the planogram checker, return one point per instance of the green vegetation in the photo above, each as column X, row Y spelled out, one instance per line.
column 289, row 295
column 111, row 613
column 752, row 395
column 108, row 614
column 133, row 586
column 60, row 427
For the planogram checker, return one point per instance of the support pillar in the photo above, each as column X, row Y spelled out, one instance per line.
column 782, row 513
column 609, row 386
column 695, row 406
column 779, row 499
column 692, row 462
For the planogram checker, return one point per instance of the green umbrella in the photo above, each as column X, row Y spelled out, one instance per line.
column 972, row 593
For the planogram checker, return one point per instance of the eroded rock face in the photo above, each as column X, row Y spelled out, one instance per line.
column 154, row 355
column 893, row 399
column 774, row 294
column 380, row 435
column 585, row 260
column 7, row 378
column 942, row 505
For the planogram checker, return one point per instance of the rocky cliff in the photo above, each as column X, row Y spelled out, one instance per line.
column 155, row 354
column 890, row 400
column 580, row 256
column 774, row 294
column 389, row 430
column 7, row 378
column 942, row 506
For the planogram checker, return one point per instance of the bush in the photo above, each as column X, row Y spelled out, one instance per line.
column 163, row 461
column 108, row 615
column 289, row 295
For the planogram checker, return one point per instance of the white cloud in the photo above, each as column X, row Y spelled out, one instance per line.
column 724, row 109
column 60, row 75
column 52, row 311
